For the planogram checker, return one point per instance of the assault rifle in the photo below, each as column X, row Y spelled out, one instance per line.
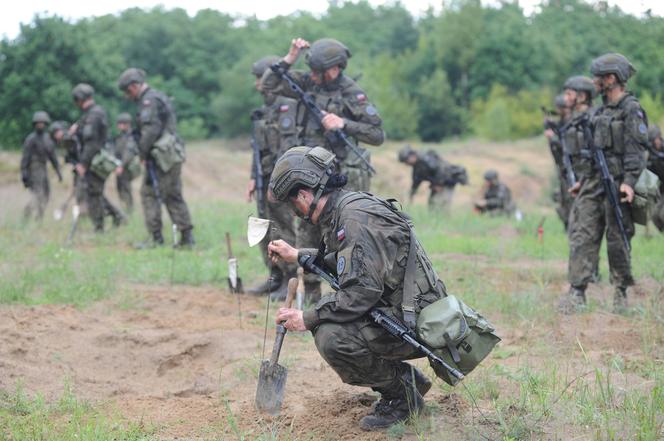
column 566, row 160
column 258, row 168
column 336, row 137
column 390, row 324
column 607, row 179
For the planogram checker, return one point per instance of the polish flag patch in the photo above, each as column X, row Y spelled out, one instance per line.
column 283, row 108
column 341, row 234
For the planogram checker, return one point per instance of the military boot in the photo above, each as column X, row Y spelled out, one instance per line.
column 620, row 300
column 186, row 240
column 157, row 240
column 573, row 301
column 271, row 284
column 395, row 408
column 312, row 292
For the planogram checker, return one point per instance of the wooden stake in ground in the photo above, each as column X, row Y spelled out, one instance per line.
column 234, row 280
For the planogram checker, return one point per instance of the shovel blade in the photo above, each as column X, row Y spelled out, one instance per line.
column 271, row 386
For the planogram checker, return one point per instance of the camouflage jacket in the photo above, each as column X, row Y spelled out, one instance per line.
column 498, row 197
column 432, row 168
column 344, row 98
column 276, row 129
column 125, row 148
column 155, row 115
column 92, row 132
column 656, row 165
column 621, row 130
column 370, row 243
column 37, row 149
column 576, row 144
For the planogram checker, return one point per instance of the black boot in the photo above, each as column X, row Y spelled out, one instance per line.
column 186, row 239
column 573, row 301
column 620, row 300
column 157, row 240
column 271, row 284
column 394, row 408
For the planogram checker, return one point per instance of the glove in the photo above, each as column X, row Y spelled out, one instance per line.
column 26, row 181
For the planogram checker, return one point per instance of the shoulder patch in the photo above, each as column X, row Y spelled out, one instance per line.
column 341, row 234
column 341, row 265
column 371, row 111
column 283, row 108
column 146, row 102
column 643, row 129
column 361, row 97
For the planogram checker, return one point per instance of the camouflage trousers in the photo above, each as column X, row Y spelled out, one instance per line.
column 40, row 191
column 440, row 198
column 94, row 194
column 282, row 227
column 364, row 354
column 123, row 185
column 565, row 200
column 591, row 218
column 170, row 191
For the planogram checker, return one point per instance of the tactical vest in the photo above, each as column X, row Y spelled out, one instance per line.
column 576, row 144
column 278, row 131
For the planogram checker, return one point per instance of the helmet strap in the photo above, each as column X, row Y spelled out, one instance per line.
column 318, row 194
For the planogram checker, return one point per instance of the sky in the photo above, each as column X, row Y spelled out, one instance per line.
column 23, row 11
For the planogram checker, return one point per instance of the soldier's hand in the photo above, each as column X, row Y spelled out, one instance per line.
column 297, row 44
column 251, row 188
column 549, row 133
column 292, row 319
column 574, row 190
column 628, row 192
column 80, row 169
column 119, row 170
column 73, row 129
column 332, row 122
column 279, row 249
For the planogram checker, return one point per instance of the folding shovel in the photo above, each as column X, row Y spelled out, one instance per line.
column 234, row 281
column 272, row 377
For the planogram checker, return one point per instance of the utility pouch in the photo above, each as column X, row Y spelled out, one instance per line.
column 103, row 163
column 618, row 136
column 167, row 151
column 134, row 167
column 456, row 333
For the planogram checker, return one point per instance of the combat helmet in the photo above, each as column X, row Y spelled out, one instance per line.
column 124, row 117
column 405, row 152
column 301, row 166
column 82, row 92
column 580, row 83
column 490, row 175
column 613, row 63
column 326, row 53
column 260, row 66
column 41, row 117
column 57, row 125
column 130, row 76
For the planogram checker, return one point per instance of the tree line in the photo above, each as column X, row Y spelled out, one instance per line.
column 467, row 70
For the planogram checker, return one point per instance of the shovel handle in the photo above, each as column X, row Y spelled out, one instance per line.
column 228, row 245
column 292, row 289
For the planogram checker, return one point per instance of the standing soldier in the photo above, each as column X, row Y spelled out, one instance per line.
column 275, row 130
column 442, row 175
column 497, row 196
column 619, row 128
column 551, row 132
column 90, row 131
column 127, row 152
column 162, row 150
column 37, row 149
column 656, row 165
column 346, row 108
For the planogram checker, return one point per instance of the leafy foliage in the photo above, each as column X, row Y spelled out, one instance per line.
column 427, row 76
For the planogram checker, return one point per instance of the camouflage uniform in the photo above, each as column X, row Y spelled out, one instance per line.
column 620, row 130
column 71, row 156
column 497, row 196
column 442, row 176
column 92, row 132
column 370, row 242
column 37, row 149
column 656, row 165
column 125, row 150
column 562, row 197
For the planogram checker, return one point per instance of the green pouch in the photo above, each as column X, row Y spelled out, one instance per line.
column 103, row 163
column 456, row 333
column 167, row 151
column 134, row 167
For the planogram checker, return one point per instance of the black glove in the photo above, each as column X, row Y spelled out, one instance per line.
column 26, row 181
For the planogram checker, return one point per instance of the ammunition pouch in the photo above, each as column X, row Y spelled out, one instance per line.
column 104, row 163
column 456, row 333
column 134, row 167
column 646, row 195
column 168, row 151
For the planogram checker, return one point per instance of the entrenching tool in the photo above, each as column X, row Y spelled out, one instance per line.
column 76, row 212
column 59, row 213
column 234, row 281
column 272, row 377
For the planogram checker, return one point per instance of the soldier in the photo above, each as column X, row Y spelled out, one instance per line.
column 369, row 240
column 37, row 149
column 127, row 152
column 442, row 176
column 619, row 128
column 562, row 196
column 162, row 150
column 90, row 131
column 275, row 131
column 347, row 108
column 656, row 165
column 497, row 196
